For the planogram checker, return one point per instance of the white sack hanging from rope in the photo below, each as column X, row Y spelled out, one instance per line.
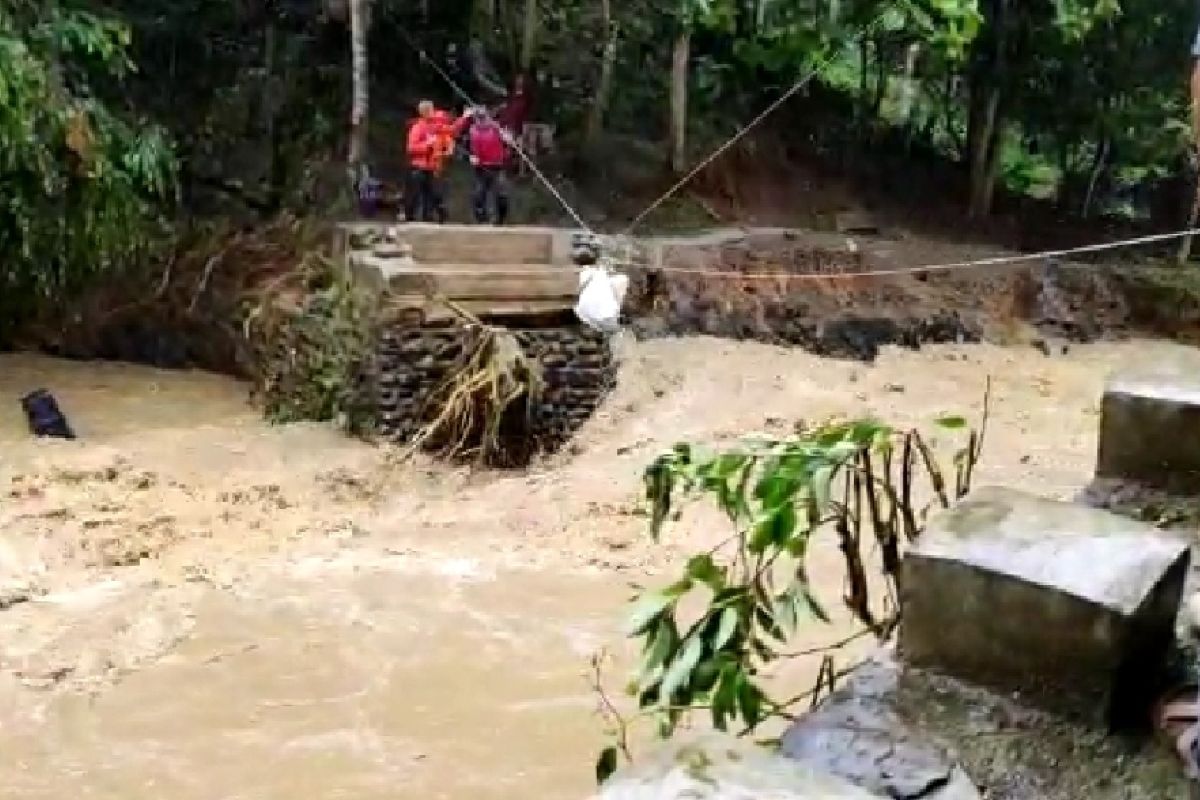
column 601, row 294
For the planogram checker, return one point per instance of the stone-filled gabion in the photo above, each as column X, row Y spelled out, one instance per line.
column 411, row 361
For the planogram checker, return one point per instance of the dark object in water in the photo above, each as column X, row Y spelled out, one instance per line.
column 44, row 415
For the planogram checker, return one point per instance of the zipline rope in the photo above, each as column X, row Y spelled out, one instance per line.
column 515, row 145
column 766, row 112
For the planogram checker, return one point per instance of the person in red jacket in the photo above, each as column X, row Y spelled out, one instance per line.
column 489, row 158
column 422, row 196
column 430, row 144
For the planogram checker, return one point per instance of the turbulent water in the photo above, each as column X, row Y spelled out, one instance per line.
column 199, row 605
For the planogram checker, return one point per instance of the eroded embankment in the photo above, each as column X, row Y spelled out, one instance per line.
column 802, row 289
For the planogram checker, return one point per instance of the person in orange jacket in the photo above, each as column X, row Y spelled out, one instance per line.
column 430, row 144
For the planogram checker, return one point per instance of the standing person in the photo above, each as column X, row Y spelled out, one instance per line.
column 515, row 112
column 421, row 198
column 489, row 157
column 447, row 131
column 430, row 145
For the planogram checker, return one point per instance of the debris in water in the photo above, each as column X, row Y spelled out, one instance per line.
column 44, row 415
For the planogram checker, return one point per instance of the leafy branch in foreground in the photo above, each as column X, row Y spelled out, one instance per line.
column 862, row 481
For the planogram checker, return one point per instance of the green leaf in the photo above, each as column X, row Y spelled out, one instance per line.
column 645, row 612
column 654, row 655
column 703, row 569
column 821, row 481
column 728, row 627
column 606, row 764
column 724, row 698
column 749, row 700
column 774, row 528
column 952, row 422
column 681, row 669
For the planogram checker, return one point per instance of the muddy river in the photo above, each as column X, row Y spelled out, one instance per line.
column 199, row 605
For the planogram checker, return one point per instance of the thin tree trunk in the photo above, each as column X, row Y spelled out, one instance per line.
column 908, row 89
column 984, row 125
column 983, row 146
column 529, row 35
column 881, row 80
column 360, row 22
column 864, row 72
column 595, row 126
column 679, row 93
column 1097, row 168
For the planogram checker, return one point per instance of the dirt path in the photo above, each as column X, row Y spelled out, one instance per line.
column 199, row 605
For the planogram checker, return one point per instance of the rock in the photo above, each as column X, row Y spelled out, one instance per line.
column 718, row 767
column 1071, row 606
column 857, row 735
column 1150, row 425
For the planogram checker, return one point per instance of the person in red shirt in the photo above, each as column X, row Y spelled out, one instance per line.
column 513, row 115
column 489, row 155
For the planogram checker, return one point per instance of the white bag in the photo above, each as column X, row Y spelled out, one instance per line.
column 600, row 298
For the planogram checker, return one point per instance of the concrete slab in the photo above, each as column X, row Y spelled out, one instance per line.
column 1072, row 606
column 1150, row 425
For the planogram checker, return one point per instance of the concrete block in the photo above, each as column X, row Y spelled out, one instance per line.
column 1070, row 606
column 1150, row 425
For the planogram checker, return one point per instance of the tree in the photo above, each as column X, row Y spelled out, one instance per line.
column 680, row 61
column 360, row 26
column 84, row 187
column 608, row 64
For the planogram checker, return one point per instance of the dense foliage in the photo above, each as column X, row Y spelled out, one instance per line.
column 1080, row 102
column 84, row 184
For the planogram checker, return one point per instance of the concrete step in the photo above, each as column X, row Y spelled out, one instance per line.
column 478, row 244
column 464, row 281
column 487, row 283
column 432, row 310
column 472, row 244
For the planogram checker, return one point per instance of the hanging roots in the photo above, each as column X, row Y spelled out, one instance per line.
column 484, row 408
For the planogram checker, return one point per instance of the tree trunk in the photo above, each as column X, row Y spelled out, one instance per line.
column 983, row 139
column 1098, row 164
column 360, row 23
column 984, row 123
column 529, row 34
column 679, row 95
column 881, row 80
column 595, row 125
column 908, row 89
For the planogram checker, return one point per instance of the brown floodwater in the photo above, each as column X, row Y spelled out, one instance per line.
column 199, row 605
